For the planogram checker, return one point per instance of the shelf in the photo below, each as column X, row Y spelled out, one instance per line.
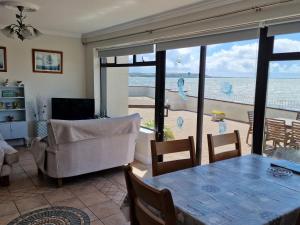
column 8, row 110
column 11, row 87
column 2, row 122
column 12, row 97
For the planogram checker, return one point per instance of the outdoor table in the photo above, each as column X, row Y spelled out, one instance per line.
column 288, row 122
column 233, row 192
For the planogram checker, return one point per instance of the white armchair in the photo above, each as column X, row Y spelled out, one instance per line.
column 78, row 147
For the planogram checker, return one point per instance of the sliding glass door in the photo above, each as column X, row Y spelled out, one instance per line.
column 181, row 95
column 282, row 122
column 229, row 92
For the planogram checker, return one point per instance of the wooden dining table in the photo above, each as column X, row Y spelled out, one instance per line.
column 238, row 191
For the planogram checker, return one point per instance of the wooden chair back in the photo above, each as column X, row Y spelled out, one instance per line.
column 250, row 118
column 276, row 130
column 223, row 140
column 148, row 206
column 295, row 140
column 298, row 116
column 159, row 149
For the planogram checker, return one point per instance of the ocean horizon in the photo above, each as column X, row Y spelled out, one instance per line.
column 283, row 93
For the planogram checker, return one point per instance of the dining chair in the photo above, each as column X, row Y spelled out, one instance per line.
column 276, row 131
column 298, row 116
column 224, row 140
column 159, row 149
column 250, row 121
column 148, row 206
column 295, row 135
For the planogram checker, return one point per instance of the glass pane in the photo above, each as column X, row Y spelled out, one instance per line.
column 287, row 43
column 182, row 72
column 145, row 57
column 229, row 92
column 141, row 94
column 282, row 126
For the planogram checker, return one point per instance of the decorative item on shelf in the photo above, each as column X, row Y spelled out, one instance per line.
column 42, row 106
column 5, row 83
column 8, row 105
column 3, row 61
column 17, row 105
column 47, row 61
column 20, row 29
column 19, row 83
column 10, row 118
column 9, row 93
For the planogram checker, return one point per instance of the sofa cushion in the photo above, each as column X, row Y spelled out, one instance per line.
column 11, row 155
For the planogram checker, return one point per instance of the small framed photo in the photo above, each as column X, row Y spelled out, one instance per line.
column 47, row 61
column 3, row 60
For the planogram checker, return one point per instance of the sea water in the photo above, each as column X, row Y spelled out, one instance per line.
column 282, row 93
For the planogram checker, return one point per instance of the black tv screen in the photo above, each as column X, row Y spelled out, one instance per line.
column 73, row 109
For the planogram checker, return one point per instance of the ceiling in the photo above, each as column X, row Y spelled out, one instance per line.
column 75, row 17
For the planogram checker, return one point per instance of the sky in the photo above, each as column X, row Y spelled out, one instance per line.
column 235, row 59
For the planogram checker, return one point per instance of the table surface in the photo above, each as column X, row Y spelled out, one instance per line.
column 288, row 122
column 233, row 191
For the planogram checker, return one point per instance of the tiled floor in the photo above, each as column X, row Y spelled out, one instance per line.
column 98, row 194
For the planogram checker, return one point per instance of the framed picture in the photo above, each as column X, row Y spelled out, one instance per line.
column 47, row 61
column 3, row 61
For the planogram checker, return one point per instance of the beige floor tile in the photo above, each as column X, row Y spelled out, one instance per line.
column 105, row 209
column 74, row 202
column 93, row 198
column 58, row 195
column 96, row 222
column 28, row 204
column 91, row 215
column 83, row 189
column 4, row 220
column 117, row 219
column 8, row 208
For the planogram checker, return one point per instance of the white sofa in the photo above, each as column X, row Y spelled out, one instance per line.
column 78, row 147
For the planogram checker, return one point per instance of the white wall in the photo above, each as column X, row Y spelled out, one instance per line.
column 72, row 83
column 117, row 89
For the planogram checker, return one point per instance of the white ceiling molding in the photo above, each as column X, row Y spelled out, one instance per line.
column 272, row 10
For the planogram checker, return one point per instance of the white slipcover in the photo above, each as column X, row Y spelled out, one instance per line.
column 84, row 146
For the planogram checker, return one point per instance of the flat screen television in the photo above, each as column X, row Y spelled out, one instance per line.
column 73, row 108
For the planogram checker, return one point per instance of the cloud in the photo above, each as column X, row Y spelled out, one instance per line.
column 238, row 59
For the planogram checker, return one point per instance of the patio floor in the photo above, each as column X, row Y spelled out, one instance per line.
column 189, row 126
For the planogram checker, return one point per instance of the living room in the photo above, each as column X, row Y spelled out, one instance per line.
column 141, row 112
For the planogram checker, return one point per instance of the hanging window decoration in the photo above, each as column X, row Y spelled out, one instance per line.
column 180, row 122
column 180, row 86
column 222, row 127
column 226, row 88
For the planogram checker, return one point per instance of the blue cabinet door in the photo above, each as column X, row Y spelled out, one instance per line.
column 19, row 130
column 5, row 130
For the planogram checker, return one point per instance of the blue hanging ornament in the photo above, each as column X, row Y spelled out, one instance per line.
column 226, row 88
column 180, row 122
column 180, row 86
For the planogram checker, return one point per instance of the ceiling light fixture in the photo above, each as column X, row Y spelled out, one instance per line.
column 20, row 29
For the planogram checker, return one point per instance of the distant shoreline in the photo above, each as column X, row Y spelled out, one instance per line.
column 193, row 75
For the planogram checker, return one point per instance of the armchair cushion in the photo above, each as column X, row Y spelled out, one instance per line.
column 10, row 154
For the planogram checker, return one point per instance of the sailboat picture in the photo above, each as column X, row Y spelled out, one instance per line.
column 47, row 61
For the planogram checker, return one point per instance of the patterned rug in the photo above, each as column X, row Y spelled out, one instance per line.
column 53, row 216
